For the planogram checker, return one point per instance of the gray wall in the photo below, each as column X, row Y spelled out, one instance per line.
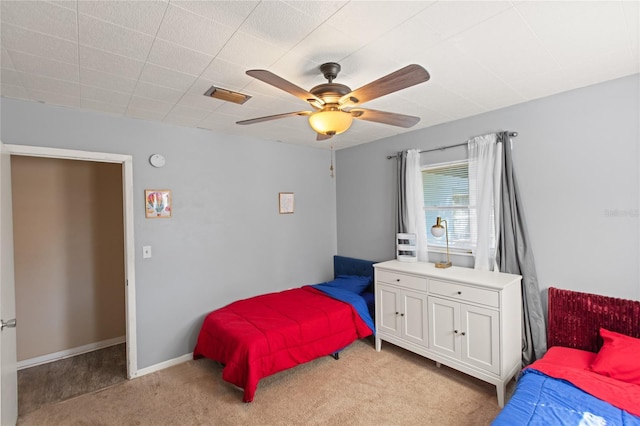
column 577, row 164
column 226, row 239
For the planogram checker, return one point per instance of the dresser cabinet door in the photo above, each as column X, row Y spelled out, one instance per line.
column 481, row 342
column 444, row 326
column 387, row 310
column 413, row 316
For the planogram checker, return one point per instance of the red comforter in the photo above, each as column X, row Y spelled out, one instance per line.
column 260, row 336
column 572, row 365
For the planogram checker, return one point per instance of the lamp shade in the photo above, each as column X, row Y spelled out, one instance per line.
column 330, row 121
column 437, row 231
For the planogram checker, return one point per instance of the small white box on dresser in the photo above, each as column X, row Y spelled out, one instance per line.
column 467, row 319
column 406, row 248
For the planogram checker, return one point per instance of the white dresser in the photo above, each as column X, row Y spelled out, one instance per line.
column 466, row 319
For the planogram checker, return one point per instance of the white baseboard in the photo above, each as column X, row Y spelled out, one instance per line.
column 67, row 353
column 165, row 364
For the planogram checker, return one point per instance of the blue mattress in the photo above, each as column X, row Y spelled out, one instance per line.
column 543, row 400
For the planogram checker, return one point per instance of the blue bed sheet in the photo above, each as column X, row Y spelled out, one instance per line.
column 352, row 298
column 543, row 400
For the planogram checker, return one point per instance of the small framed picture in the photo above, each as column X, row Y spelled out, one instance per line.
column 157, row 203
column 285, row 202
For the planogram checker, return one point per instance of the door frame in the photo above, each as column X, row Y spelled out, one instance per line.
column 129, row 250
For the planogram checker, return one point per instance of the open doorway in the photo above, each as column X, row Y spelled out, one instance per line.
column 97, row 331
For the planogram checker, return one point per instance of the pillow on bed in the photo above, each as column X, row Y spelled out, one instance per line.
column 354, row 283
column 618, row 357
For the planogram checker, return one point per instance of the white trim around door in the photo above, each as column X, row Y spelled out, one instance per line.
column 129, row 249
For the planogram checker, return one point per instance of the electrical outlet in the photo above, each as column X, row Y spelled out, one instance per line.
column 146, row 252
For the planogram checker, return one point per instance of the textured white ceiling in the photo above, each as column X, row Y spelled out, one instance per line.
column 153, row 60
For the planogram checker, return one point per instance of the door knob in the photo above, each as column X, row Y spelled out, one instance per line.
column 11, row 324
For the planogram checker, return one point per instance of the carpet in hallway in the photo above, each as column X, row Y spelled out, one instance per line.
column 66, row 378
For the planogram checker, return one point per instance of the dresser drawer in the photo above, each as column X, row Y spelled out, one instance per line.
column 465, row 293
column 402, row 280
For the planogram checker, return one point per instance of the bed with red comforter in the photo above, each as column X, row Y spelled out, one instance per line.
column 590, row 376
column 256, row 337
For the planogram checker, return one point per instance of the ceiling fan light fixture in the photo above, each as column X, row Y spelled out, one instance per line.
column 330, row 121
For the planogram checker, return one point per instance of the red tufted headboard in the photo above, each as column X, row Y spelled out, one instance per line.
column 575, row 318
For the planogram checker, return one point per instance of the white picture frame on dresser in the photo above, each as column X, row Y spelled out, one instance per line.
column 464, row 318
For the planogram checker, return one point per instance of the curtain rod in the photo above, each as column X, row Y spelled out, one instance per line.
column 389, row 157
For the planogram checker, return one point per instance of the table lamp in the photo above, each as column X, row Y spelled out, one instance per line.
column 437, row 231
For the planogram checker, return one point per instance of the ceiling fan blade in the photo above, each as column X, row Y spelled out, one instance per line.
column 273, row 117
column 384, row 117
column 405, row 77
column 282, row 84
column 323, row 137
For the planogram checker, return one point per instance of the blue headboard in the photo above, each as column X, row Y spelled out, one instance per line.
column 350, row 266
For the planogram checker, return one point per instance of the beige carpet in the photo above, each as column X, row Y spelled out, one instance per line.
column 392, row 387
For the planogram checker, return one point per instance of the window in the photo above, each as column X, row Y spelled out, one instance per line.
column 446, row 194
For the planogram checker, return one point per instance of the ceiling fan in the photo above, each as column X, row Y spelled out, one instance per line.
column 336, row 105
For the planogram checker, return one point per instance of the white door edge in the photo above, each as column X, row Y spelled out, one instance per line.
column 8, row 352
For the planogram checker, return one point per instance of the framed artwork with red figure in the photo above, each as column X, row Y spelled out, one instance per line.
column 157, row 203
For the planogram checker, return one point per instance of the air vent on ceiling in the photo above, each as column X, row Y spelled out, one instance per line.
column 227, row 95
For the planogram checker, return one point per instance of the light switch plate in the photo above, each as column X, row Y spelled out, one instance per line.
column 146, row 252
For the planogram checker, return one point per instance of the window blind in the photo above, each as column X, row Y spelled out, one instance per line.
column 446, row 194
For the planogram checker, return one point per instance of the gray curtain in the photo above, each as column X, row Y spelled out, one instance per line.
column 401, row 217
column 515, row 256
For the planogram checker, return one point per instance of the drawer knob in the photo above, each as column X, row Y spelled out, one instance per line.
column 401, row 315
column 397, row 313
column 463, row 333
column 398, row 279
column 459, row 292
column 455, row 331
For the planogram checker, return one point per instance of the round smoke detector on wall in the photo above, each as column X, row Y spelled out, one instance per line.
column 157, row 160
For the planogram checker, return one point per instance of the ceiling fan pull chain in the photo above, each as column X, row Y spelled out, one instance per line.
column 331, row 168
